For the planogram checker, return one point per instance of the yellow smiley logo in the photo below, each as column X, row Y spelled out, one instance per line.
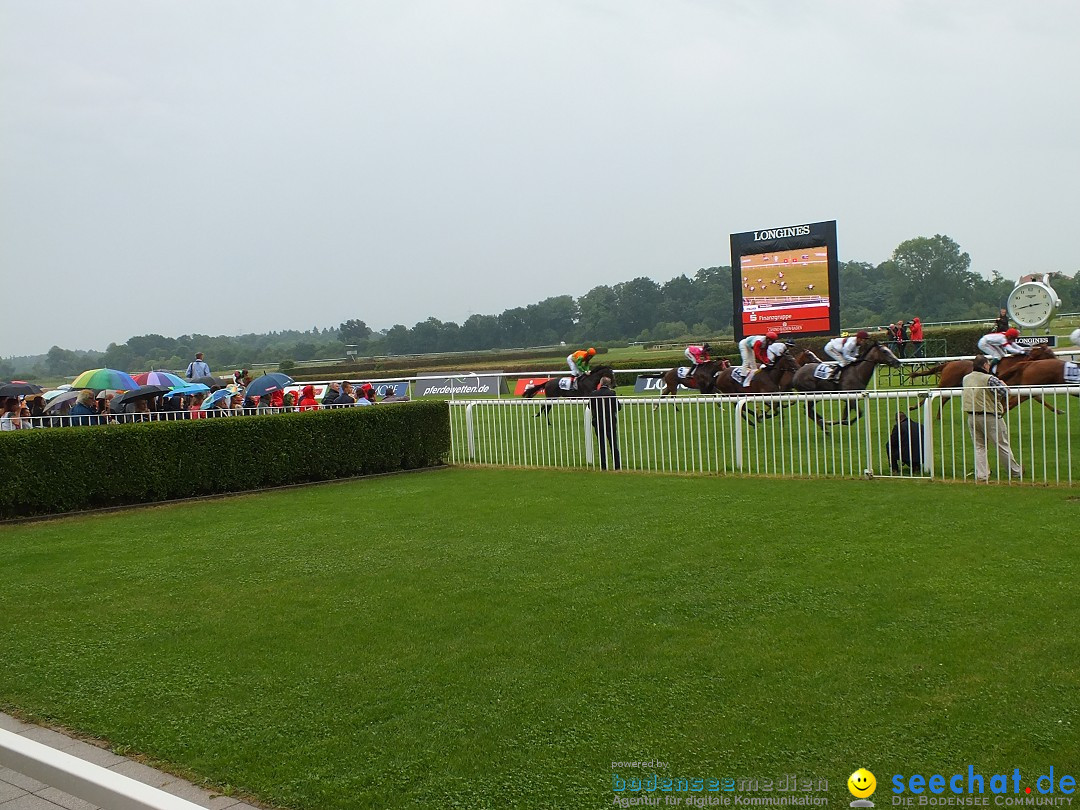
column 861, row 783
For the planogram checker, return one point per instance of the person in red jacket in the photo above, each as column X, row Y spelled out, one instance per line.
column 307, row 399
column 916, row 337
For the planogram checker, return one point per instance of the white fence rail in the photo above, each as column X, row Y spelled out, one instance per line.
column 721, row 435
column 81, row 779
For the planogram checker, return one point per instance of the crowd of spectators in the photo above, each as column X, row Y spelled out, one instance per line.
column 87, row 407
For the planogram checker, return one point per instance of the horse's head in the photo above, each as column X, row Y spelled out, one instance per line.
column 879, row 353
column 1042, row 353
column 804, row 356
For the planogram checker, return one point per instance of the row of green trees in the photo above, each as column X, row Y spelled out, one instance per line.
column 929, row 276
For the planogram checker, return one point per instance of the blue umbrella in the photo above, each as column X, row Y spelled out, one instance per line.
column 215, row 398
column 274, row 381
column 190, row 388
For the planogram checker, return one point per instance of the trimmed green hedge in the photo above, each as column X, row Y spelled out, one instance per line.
column 56, row 470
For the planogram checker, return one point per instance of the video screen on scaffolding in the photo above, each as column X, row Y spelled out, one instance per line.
column 786, row 280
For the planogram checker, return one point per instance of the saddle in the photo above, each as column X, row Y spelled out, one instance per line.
column 566, row 383
column 741, row 375
column 1072, row 372
column 684, row 372
column 827, row 372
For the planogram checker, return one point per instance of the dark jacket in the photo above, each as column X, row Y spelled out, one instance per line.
column 605, row 408
column 331, row 396
column 1001, row 324
column 82, row 415
column 906, row 445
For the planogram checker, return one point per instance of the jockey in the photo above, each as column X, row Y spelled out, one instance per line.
column 748, row 348
column 763, row 349
column 997, row 345
column 845, row 350
column 770, row 356
column 697, row 355
column 579, row 363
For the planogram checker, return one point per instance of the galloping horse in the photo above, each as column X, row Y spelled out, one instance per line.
column 703, row 379
column 953, row 373
column 852, row 378
column 1049, row 371
column 766, row 381
column 586, row 384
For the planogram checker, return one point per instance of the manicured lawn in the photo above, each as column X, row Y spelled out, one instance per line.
column 492, row 638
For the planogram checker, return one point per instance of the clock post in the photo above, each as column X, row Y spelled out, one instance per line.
column 1032, row 302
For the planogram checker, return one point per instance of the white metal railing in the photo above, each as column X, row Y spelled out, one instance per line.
column 721, row 435
column 84, row 780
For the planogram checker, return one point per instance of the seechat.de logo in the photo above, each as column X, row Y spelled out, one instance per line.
column 862, row 785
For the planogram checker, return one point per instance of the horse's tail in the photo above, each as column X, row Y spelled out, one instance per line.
column 940, row 367
column 531, row 389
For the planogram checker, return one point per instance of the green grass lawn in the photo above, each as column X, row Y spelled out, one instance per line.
column 492, row 638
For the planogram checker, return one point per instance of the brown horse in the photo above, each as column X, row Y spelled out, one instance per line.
column 1050, row 371
column 852, row 378
column 953, row 373
column 703, row 379
column 769, row 380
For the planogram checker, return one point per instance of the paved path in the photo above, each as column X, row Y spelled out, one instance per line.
column 18, row 792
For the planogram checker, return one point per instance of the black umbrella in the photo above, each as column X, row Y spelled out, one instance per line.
column 19, row 389
column 142, row 392
column 213, row 383
column 274, row 381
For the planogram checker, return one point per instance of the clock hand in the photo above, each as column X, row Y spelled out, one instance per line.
column 1029, row 306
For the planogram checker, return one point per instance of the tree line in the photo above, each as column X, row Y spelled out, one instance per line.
column 927, row 276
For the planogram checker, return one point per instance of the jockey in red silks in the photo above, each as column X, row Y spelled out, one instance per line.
column 697, row 355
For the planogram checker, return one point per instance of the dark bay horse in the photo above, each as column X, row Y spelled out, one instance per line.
column 852, row 378
column 587, row 383
column 770, row 380
column 703, row 379
column 953, row 373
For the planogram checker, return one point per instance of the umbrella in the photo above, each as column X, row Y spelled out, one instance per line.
column 19, row 389
column 215, row 398
column 142, row 392
column 213, row 383
column 165, row 378
column 55, row 399
column 189, row 388
column 274, row 381
column 98, row 379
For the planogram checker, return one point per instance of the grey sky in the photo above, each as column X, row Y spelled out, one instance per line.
column 226, row 167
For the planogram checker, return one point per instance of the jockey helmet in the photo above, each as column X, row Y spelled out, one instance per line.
column 706, row 348
column 591, row 351
column 862, row 334
column 771, row 335
column 1012, row 333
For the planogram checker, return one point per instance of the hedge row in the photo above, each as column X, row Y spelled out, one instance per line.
column 57, row 470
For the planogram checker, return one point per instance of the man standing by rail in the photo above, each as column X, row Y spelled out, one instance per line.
column 605, row 421
column 985, row 398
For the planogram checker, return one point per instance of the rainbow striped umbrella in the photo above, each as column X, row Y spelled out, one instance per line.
column 98, row 379
column 165, row 378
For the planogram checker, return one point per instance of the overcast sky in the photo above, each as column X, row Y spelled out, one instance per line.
column 223, row 167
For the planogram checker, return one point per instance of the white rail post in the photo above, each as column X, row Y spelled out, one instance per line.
column 470, row 431
column 866, row 429
column 737, row 424
column 82, row 779
column 588, row 437
column 928, row 434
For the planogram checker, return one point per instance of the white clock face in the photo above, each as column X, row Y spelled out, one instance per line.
column 1031, row 305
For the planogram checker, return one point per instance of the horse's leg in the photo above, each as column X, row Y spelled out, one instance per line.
column 814, row 415
column 1014, row 401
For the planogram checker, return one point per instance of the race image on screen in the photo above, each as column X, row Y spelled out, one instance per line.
column 786, row 290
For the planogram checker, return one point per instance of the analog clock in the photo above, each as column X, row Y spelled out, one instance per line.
column 1032, row 303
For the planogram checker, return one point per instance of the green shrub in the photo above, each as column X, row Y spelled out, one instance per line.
column 65, row 469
